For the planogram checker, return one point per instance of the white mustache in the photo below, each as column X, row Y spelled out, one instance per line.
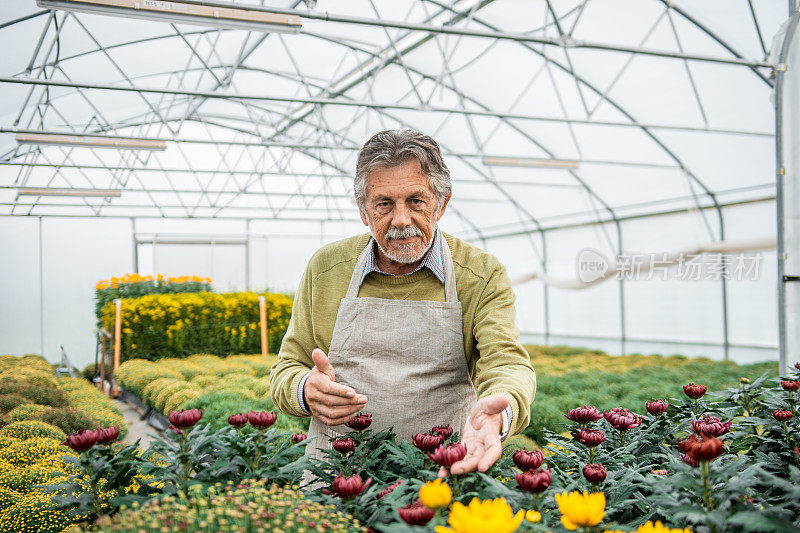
column 405, row 233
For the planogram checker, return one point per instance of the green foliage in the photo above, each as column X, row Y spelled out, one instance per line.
column 34, row 393
column 217, row 406
column 68, row 419
column 91, row 369
column 9, row 401
column 628, row 382
column 156, row 326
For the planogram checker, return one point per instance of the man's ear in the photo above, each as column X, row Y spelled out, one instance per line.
column 444, row 206
column 363, row 214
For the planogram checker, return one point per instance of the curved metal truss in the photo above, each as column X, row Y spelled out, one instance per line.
column 553, row 114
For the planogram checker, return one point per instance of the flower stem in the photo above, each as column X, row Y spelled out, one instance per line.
column 706, row 487
column 87, row 466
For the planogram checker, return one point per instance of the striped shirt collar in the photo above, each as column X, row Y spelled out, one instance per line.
column 433, row 259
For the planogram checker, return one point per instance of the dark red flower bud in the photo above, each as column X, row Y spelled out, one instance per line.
column 426, row 443
column 238, row 420
column 348, row 487
column 710, row 426
column 185, row 419
column 528, row 460
column 656, row 407
column 444, row 431
column 782, row 416
column 176, row 430
column 388, row 490
column 298, row 437
column 694, row 391
column 797, row 365
column 534, row 481
column 416, row 514
column 360, row 422
column 796, row 451
column 707, row 449
column 584, row 415
column 108, row 435
column 343, row 445
column 689, row 461
column 591, row 437
column 262, row 419
column 594, row 473
column 791, row 385
column 683, row 445
column 446, row 456
column 622, row 419
column 81, row 441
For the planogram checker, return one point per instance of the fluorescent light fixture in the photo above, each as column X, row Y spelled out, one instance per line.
column 95, row 141
column 237, row 16
column 498, row 161
column 47, row 191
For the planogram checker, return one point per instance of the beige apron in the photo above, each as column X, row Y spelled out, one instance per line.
column 406, row 356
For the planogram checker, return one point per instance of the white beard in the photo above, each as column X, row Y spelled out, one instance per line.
column 406, row 255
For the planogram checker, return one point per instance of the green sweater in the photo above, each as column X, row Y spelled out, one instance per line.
column 497, row 362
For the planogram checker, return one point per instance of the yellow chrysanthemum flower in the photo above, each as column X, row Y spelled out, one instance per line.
column 435, row 494
column 581, row 509
column 658, row 527
column 533, row 516
column 482, row 516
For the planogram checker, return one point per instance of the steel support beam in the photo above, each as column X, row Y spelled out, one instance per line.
column 355, row 103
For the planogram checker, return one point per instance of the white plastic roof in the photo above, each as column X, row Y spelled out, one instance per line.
column 651, row 133
column 664, row 105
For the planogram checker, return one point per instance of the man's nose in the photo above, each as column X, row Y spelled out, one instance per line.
column 401, row 216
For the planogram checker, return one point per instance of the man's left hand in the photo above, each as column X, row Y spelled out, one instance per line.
column 482, row 436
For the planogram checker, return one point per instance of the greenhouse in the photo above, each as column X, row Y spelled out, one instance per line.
column 468, row 265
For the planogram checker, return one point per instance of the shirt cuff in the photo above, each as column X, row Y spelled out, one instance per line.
column 301, row 396
column 508, row 415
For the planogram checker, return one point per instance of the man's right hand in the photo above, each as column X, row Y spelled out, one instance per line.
column 330, row 402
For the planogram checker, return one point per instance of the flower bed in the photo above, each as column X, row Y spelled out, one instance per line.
column 219, row 386
column 40, row 410
column 177, row 325
column 134, row 285
column 727, row 461
column 569, row 376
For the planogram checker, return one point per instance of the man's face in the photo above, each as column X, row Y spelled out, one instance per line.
column 401, row 211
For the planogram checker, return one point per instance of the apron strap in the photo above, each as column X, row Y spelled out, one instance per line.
column 450, row 293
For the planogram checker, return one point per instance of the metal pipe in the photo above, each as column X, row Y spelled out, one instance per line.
column 352, row 103
column 785, row 238
column 565, row 42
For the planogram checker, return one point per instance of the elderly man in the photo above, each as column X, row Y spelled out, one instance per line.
column 406, row 322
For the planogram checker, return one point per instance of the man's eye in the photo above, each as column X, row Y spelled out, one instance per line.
column 416, row 201
column 383, row 204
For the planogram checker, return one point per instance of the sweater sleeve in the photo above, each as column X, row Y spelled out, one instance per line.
column 503, row 366
column 294, row 358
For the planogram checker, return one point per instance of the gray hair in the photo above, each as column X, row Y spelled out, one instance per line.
column 390, row 148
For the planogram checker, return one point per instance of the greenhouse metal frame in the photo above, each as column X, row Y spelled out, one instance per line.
column 295, row 135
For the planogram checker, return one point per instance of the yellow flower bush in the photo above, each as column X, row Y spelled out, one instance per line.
column 164, row 325
column 435, row 494
column 581, row 509
column 26, row 411
column 481, row 517
column 33, row 513
column 29, row 429
column 30, row 451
